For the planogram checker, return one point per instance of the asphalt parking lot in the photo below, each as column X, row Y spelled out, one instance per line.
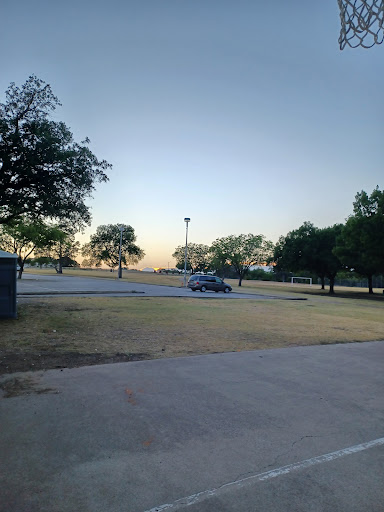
column 32, row 285
column 298, row 429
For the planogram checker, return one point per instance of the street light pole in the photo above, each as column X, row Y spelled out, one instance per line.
column 119, row 273
column 186, row 220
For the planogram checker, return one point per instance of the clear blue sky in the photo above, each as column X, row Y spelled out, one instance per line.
column 244, row 116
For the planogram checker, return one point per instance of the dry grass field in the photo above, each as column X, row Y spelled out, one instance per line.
column 88, row 330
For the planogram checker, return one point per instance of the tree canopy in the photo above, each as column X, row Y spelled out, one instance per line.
column 361, row 243
column 26, row 236
column 293, row 252
column 197, row 258
column 242, row 252
column 104, row 245
column 62, row 251
column 44, row 173
column 309, row 248
column 326, row 262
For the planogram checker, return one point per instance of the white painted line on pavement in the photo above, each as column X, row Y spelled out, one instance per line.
column 260, row 477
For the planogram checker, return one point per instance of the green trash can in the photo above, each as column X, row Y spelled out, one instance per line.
column 8, row 270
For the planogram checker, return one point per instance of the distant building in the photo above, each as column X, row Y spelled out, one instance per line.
column 147, row 269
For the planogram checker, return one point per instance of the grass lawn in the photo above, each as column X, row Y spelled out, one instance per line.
column 88, row 330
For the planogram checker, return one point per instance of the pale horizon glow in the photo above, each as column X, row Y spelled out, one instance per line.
column 244, row 116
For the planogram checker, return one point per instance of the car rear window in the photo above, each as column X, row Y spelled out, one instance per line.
column 210, row 279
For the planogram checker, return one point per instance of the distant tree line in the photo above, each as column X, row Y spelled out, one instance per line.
column 355, row 248
column 349, row 250
column 39, row 244
column 231, row 254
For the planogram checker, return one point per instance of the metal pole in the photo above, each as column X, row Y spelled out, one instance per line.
column 186, row 220
column 119, row 274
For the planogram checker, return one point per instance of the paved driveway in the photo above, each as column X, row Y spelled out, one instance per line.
column 38, row 285
column 285, row 430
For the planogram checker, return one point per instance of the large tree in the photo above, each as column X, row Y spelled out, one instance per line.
column 361, row 244
column 242, row 252
column 44, row 173
column 309, row 248
column 326, row 262
column 25, row 237
column 294, row 252
column 62, row 251
column 197, row 257
column 104, row 245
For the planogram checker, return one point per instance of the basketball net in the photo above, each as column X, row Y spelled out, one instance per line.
column 361, row 23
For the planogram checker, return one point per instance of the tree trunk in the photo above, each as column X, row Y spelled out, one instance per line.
column 370, row 284
column 60, row 262
column 322, row 282
column 331, row 285
column 240, row 279
column 20, row 264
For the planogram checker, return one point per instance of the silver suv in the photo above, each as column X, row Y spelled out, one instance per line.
column 204, row 283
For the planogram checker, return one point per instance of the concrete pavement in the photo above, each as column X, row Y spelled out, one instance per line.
column 196, row 434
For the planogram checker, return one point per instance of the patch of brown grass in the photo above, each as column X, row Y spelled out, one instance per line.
column 169, row 327
column 277, row 288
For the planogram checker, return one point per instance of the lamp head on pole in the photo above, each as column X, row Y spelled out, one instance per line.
column 187, row 219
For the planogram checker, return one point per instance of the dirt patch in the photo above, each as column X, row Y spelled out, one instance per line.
column 25, row 385
column 31, row 361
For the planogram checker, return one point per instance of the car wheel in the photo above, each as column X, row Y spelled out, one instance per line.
column 216, row 291
column 203, row 289
column 226, row 290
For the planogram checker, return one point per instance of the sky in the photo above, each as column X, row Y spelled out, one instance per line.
column 243, row 115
